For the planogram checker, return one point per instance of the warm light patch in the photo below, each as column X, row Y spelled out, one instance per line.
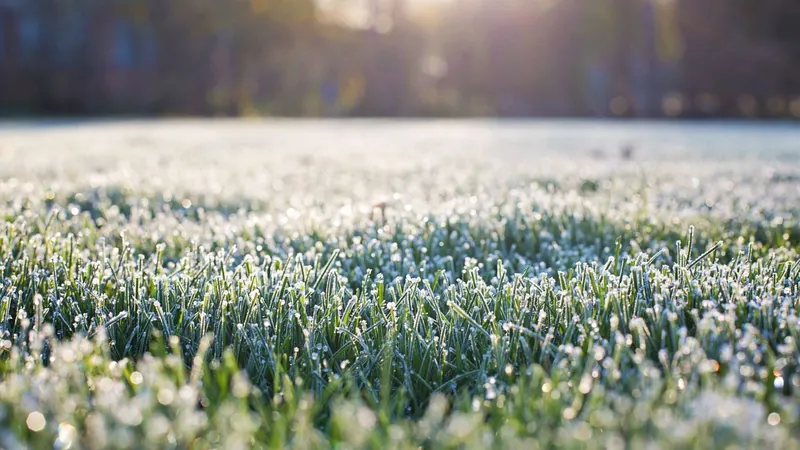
column 794, row 108
column 619, row 106
column 672, row 104
column 748, row 105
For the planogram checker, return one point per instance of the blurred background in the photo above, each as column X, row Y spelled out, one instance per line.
column 508, row 58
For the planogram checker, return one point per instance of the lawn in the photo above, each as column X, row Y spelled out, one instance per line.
column 237, row 285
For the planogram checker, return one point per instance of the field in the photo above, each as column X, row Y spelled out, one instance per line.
column 388, row 285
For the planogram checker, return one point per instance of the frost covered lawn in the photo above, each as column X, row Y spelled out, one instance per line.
column 238, row 285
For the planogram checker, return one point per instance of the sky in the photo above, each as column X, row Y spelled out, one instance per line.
column 357, row 12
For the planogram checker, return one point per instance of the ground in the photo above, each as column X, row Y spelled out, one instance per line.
column 399, row 284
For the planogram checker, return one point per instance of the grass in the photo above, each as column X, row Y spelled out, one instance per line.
column 159, row 294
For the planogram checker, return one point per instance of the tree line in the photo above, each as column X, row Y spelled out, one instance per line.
column 630, row 58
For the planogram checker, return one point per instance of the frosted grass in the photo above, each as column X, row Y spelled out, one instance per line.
column 242, row 285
